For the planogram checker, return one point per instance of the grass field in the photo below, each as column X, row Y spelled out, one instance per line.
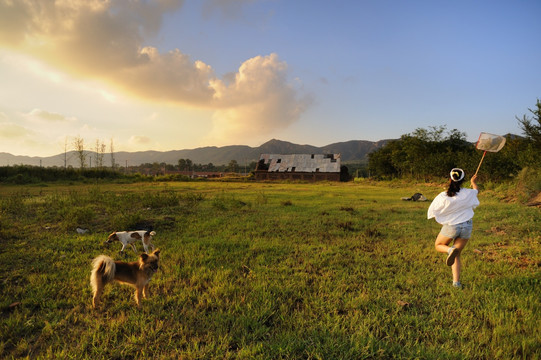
column 266, row 271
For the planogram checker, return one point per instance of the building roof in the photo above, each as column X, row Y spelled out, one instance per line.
column 327, row 163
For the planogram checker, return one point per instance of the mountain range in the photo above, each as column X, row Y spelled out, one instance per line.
column 351, row 151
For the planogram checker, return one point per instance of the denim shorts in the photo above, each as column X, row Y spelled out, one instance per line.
column 462, row 230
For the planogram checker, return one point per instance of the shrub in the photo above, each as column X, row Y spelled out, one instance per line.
column 192, row 199
column 528, row 183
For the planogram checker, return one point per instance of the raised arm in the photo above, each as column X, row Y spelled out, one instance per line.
column 473, row 183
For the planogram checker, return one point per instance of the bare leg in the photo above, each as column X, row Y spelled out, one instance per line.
column 457, row 266
column 442, row 243
column 456, row 269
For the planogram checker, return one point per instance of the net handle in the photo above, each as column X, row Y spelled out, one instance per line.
column 484, row 153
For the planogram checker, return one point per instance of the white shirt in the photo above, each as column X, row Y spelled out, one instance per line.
column 454, row 210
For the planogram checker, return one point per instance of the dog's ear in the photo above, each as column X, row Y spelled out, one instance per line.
column 144, row 257
column 156, row 252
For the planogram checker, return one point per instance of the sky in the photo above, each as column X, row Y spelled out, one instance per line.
column 180, row 74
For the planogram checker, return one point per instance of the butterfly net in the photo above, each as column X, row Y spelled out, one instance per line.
column 490, row 142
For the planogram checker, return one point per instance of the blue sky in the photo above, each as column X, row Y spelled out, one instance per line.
column 170, row 74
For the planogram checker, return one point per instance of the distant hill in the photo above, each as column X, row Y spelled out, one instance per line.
column 351, row 151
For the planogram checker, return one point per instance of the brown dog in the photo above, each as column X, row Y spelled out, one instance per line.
column 136, row 274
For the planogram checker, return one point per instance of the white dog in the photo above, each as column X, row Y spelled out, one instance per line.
column 130, row 237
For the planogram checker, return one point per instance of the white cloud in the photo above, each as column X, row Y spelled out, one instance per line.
column 97, row 39
column 10, row 130
column 139, row 140
column 106, row 41
column 49, row 116
column 258, row 101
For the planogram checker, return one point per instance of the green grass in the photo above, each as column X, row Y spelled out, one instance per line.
column 267, row 271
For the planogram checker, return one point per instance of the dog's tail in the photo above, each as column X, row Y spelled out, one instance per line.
column 103, row 268
column 152, row 233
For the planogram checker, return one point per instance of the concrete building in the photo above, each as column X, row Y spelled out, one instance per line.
column 308, row 167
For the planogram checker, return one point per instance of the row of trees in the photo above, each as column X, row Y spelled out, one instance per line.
column 188, row 165
column 430, row 153
column 233, row 166
column 82, row 153
column 27, row 174
column 84, row 160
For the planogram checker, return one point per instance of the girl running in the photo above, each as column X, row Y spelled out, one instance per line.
column 454, row 210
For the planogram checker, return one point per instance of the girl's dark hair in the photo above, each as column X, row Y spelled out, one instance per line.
column 457, row 178
column 454, row 187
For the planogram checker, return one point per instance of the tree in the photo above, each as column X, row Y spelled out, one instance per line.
column 181, row 164
column 435, row 133
column 156, row 168
column 185, row 165
column 233, row 166
column 112, row 150
column 380, row 162
column 422, row 154
column 532, row 126
column 79, row 145
column 252, row 165
column 100, row 153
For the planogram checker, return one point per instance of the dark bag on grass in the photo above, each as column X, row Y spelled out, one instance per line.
column 415, row 197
